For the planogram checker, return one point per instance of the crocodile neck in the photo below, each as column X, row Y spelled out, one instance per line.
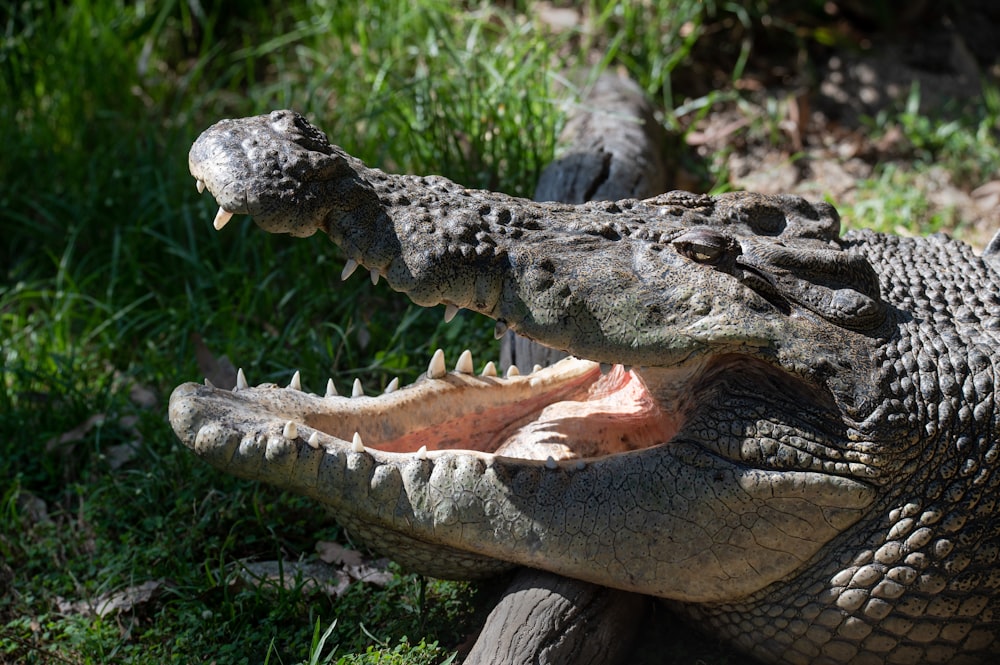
column 922, row 566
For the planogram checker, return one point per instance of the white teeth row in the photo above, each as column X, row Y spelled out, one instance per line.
column 291, row 432
column 436, row 369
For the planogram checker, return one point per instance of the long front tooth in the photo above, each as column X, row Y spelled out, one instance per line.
column 291, row 431
column 357, row 390
column 449, row 312
column 331, row 390
column 512, row 371
column 374, row 275
column 436, row 368
column 348, row 270
column 296, row 382
column 356, row 444
column 464, row 364
column 241, row 380
column 221, row 219
column 490, row 369
column 392, row 387
column 200, row 184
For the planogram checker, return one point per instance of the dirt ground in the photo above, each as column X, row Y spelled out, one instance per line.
column 818, row 140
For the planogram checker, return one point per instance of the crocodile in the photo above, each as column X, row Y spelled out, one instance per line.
column 787, row 434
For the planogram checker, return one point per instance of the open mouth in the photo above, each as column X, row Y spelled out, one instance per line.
column 569, row 411
column 715, row 445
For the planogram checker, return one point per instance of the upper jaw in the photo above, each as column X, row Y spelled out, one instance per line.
column 639, row 303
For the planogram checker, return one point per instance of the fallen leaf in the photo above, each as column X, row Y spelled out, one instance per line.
column 75, row 434
column 219, row 371
column 310, row 577
column 142, row 396
column 376, row 573
column 331, row 552
column 124, row 600
column 988, row 195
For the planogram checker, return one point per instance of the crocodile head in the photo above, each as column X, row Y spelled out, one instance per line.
column 716, row 428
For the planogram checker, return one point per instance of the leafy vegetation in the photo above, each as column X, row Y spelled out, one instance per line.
column 113, row 280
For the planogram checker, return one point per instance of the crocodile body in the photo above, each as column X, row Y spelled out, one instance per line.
column 795, row 443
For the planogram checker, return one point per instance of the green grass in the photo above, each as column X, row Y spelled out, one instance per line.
column 110, row 267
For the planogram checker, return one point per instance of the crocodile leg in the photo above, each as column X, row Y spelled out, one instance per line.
column 611, row 153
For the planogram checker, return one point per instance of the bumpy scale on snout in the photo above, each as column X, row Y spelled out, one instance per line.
column 802, row 455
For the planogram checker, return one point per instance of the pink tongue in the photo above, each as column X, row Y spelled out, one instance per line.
column 616, row 416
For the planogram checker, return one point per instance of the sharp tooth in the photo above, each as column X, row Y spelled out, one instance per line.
column 241, row 380
column 200, row 184
column 500, row 329
column 331, row 390
column 348, row 270
column 436, row 368
column 221, row 219
column 490, row 369
column 374, row 274
column 356, row 444
column 291, row 431
column 550, row 463
column 464, row 364
column 512, row 371
column 392, row 387
column 209, row 383
column 422, row 453
column 314, row 440
column 535, row 368
column 357, row 390
column 296, row 382
column 449, row 312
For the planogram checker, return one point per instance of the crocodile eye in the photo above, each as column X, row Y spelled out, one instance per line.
column 704, row 246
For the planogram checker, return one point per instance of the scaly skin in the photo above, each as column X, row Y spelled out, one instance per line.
column 803, row 456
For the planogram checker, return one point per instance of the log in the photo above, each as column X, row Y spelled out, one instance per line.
column 546, row 619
